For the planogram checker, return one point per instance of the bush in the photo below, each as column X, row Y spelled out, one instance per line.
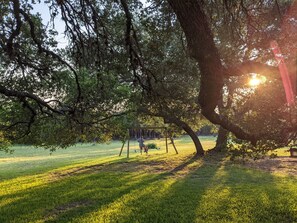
column 152, row 146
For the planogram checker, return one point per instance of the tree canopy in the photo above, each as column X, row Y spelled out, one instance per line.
column 174, row 59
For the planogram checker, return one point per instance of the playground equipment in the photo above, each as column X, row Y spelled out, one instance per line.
column 148, row 132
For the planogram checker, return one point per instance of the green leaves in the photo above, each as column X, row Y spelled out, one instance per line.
column 5, row 144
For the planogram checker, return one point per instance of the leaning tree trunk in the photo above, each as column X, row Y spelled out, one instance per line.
column 189, row 131
column 195, row 139
column 174, row 120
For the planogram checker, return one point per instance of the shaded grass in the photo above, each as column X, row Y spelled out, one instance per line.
column 154, row 188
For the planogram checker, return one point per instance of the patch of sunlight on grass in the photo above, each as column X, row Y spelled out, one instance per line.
column 124, row 207
column 9, row 201
column 214, row 202
column 18, row 184
column 95, row 161
column 95, row 185
column 281, row 152
column 28, row 160
column 240, row 195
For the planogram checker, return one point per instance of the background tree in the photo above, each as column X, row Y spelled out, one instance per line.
column 51, row 96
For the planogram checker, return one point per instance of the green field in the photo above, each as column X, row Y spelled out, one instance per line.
column 91, row 183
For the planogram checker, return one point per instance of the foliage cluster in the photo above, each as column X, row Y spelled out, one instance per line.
column 126, row 60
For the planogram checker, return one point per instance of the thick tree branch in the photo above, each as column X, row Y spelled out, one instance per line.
column 22, row 95
column 170, row 118
column 135, row 60
column 202, row 47
column 135, row 53
column 16, row 32
column 226, row 124
column 252, row 67
column 32, row 117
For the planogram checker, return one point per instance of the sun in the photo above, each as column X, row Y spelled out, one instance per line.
column 256, row 80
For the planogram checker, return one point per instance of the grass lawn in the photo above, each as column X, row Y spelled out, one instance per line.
column 89, row 183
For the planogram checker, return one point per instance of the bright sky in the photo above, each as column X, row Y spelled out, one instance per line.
column 43, row 10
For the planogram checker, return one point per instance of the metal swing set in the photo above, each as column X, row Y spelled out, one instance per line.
column 150, row 132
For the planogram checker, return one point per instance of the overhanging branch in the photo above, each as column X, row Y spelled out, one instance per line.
column 202, row 47
column 23, row 95
column 251, row 67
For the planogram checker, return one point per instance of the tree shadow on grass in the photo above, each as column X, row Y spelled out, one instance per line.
column 63, row 200
column 80, row 196
column 215, row 192
column 197, row 190
column 238, row 194
column 171, row 198
column 155, row 200
column 258, row 196
column 178, row 203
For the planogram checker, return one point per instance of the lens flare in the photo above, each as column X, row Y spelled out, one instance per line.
column 290, row 94
column 254, row 82
column 256, row 79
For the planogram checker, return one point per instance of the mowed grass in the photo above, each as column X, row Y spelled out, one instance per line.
column 92, row 184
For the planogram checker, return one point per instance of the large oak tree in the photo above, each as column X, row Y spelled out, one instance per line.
column 107, row 64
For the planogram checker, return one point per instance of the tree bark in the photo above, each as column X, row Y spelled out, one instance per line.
column 174, row 120
column 221, row 141
column 202, row 48
column 189, row 131
column 195, row 139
